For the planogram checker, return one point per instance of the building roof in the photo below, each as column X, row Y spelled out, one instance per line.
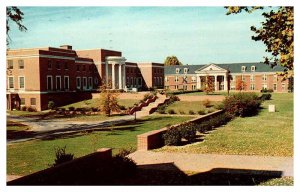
column 232, row 67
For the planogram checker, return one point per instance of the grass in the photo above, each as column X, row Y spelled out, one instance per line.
column 284, row 181
column 186, row 106
column 268, row 134
column 16, row 126
column 27, row 157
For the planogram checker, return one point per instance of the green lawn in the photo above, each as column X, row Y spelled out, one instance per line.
column 16, row 126
column 284, row 181
column 265, row 134
column 27, row 157
column 186, row 106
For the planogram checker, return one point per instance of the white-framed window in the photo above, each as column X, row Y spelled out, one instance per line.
column 275, row 87
column 252, row 86
column 233, row 77
column 194, row 79
column 193, row 87
column 10, row 64
column 184, row 87
column 66, row 83
column 243, row 78
column 232, row 87
column 21, row 64
column 49, row 82
column 177, row 70
column 78, row 82
column 265, row 86
column 84, row 83
column 264, row 77
column 22, row 82
column 33, row 101
column 11, row 82
column 176, row 78
column 253, row 68
column 131, row 81
column 283, row 86
column 275, row 78
column 243, row 68
column 185, row 70
column 166, row 79
column 90, row 83
column 58, row 83
column 252, row 78
column 176, row 86
column 22, row 101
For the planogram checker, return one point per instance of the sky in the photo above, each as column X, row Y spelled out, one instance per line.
column 196, row 35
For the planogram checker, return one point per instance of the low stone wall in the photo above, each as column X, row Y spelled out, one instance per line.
column 64, row 169
column 153, row 139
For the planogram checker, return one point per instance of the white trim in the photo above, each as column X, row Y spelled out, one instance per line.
column 68, row 83
column 51, row 82
column 90, row 86
column 78, row 86
column 84, row 87
column 41, row 55
column 84, row 62
column 13, row 82
column 20, row 83
column 59, row 82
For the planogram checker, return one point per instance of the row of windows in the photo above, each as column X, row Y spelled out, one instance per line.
column 264, row 86
column 11, row 83
column 58, row 83
column 10, row 64
column 158, row 81
column 185, row 70
column 32, row 101
column 85, row 82
column 243, row 68
column 184, row 87
column 157, row 70
column 133, row 81
column 193, row 79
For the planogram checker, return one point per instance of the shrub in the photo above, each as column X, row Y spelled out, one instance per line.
column 172, row 137
column 265, row 96
column 219, row 106
column 242, row 104
column 51, row 105
column 95, row 109
column 24, row 108
column 191, row 112
column 171, row 111
column 62, row 156
column 123, row 165
column 188, row 131
column 210, row 110
column 122, row 107
column 206, row 103
column 71, row 108
column 201, row 112
column 161, row 109
column 265, row 90
column 147, row 96
column 31, row 109
column 174, row 98
column 181, row 112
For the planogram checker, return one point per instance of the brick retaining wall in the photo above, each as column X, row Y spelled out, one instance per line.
column 153, row 139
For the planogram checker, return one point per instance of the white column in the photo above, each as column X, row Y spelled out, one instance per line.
column 124, row 76
column 216, row 82
column 113, row 76
column 225, row 83
column 198, row 82
column 120, row 76
column 106, row 73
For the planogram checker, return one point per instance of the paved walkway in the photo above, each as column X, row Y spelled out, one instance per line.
column 216, row 163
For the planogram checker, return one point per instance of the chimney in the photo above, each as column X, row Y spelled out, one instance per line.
column 68, row 47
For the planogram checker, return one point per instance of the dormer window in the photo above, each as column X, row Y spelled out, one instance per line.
column 243, row 68
column 177, row 70
column 185, row 70
column 253, row 68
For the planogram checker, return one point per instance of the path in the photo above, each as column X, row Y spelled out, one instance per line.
column 220, row 163
column 45, row 128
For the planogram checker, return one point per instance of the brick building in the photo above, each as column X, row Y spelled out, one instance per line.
column 63, row 75
column 255, row 76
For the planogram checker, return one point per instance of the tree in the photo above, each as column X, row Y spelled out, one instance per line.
column 209, row 84
column 108, row 100
column 277, row 33
column 15, row 15
column 240, row 84
column 172, row 60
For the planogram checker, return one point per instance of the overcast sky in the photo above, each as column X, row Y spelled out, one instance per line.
column 196, row 35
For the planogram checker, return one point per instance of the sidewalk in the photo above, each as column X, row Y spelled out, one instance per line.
column 206, row 162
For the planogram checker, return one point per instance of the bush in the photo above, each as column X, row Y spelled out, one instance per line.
column 265, row 96
column 123, row 165
column 188, row 131
column 95, row 109
column 161, row 109
column 191, row 112
column 219, row 106
column 181, row 112
column 122, row 107
column 201, row 112
column 31, row 109
column 206, row 103
column 24, row 108
column 148, row 96
column 62, row 156
column 265, row 90
column 51, row 105
column 172, row 137
column 71, row 108
column 242, row 104
column 171, row 111
column 174, row 98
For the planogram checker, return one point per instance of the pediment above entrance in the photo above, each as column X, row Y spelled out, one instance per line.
column 211, row 68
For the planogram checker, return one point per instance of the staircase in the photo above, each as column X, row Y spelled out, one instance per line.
column 152, row 106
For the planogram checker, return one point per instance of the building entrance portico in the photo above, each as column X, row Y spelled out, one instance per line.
column 115, row 72
column 218, row 74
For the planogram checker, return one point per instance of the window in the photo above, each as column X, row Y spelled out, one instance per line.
column 184, row 87
column 166, row 79
column 21, row 82
column 90, row 67
column 57, row 65
column 243, row 78
column 131, row 81
column 58, row 83
column 22, row 101
column 283, row 86
column 32, row 101
column 253, row 68
column 66, row 82
column 77, row 67
column 275, row 87
column 265, row 86
column 96, row 81
column 10, row 64
column 83, row 67
column 84, row 83
column 10, row 82
column 176, row 79
column 243, row 68
column 49, row 64
column 264, row 77
column 194, row 79
column 185, row 70
column 233, row 78
column 161, row 81
column 252, row 78
column 78, row 82
column 176, row 86
column 177, row 70
column 49, row 83
column 140, row 81
column 232, row 87
column 252, row 87
column 66, row 66
column 193, row 87
column 166, row 87
column 90, row 83
column 21, row 64
column 275, row 78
